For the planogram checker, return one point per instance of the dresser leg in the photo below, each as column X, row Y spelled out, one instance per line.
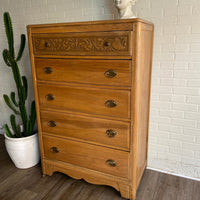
column 132, row 193
column 48, row 169
column 124, row 190
column 127, row 191
column 43, row 175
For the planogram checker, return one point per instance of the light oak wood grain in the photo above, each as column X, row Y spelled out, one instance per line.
column 84, row 71
column 87, row 155
column 87, row 115
column 90, row 26
column 87, row 128
column 80, row 91
column 69, row 84
column 96, row 57
column 88, row 100
column 140, row 101
column 32, row 59
column 98, row 43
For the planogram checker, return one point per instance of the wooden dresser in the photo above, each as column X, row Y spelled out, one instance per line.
column 92, row 88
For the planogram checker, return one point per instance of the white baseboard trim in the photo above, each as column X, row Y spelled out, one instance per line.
column 165, row 172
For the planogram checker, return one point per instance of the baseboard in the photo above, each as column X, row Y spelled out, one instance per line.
column 165, row 172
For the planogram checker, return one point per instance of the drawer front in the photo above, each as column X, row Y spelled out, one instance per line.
column 90, row 44
column 94, row 157
column 109, row 72
column 109, row 132
column 87, row 100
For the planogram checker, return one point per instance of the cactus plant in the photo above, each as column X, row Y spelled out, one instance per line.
column 18, row 107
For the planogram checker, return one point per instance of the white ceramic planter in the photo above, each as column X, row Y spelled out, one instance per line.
column 24, row 152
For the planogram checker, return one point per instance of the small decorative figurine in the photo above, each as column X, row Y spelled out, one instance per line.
column 125, row 8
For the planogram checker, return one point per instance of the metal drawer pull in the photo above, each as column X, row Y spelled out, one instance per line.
column 111, row 104
column 46, row 44
column 54, row 150
column 106, row 44
column 48, row 70
column 110, row 73
column 111, row 163
column 50, row 97
column 52, row 123
column 111, row 133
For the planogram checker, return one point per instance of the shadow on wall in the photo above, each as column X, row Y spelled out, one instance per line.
column 1, row 130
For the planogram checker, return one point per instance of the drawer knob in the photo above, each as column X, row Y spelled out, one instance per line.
column 54, row 149
column 49, row 97
column 110, row 73
column 48, row 70
column 106, row 44
column 52, row 123
column 111, row 104
column 111, row 133
column 111, row 163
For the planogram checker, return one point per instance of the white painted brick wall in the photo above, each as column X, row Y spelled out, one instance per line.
column 177, row 85
column 24, row 12
column 174, row 140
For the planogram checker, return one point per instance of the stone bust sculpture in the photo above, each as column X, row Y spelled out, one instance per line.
column 125, row 8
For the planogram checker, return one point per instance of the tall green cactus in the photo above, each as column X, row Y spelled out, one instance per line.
column 19, row 108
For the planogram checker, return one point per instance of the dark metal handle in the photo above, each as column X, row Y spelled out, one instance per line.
column 111, row 133
column 54, row 149
column 46, row 44
column 111, row 104
column 106, row 44
column 48, row 70
column 111, row 163
column 49, row 97
column 52, row 123
column 110, row 73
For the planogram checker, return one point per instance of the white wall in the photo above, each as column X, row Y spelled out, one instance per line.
column 174, row 142
column 24, row 12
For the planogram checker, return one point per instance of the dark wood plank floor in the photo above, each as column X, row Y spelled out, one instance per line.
column 28, row 184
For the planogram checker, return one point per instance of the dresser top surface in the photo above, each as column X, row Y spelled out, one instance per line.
column 86, row 23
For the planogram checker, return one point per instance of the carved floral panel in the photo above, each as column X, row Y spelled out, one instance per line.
column 106, row 43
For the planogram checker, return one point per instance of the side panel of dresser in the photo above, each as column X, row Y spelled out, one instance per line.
column 140, row 102
column 36, row 97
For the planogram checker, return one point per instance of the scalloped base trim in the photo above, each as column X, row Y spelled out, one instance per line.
column 94, row 177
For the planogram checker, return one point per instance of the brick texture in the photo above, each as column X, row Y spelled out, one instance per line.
column 174, row 121
column 174, row 139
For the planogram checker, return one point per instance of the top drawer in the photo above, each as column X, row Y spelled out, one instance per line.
column 86, row 44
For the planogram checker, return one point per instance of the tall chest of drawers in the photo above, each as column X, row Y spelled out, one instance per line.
column 92, row 88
